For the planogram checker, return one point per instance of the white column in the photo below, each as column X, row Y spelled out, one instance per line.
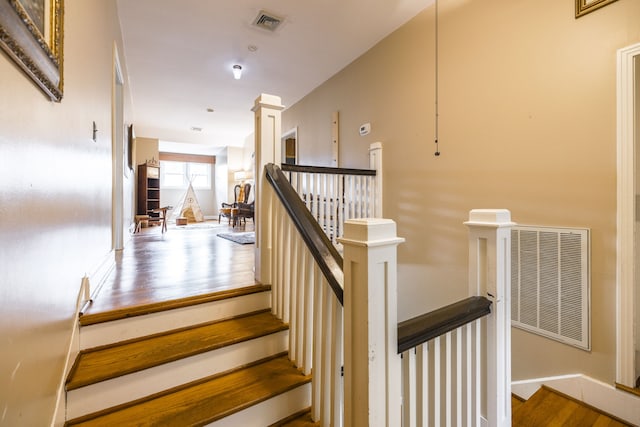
column 375, row 163
column 490, row 276
column 372, row 366
column 268, row 110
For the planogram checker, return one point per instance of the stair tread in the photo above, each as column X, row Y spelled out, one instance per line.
column 87, row 319
column 207, row 400
column 95, row 365
column 302, row 419
column 548, row 408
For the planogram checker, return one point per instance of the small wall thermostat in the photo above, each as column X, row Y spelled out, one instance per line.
column 365, row 129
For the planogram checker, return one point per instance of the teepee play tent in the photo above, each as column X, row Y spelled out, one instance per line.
column 188, row 207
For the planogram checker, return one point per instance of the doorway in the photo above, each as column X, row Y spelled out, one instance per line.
column 290, row 147
column 628, row 204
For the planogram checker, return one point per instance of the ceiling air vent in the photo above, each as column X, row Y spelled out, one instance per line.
column 267, row 21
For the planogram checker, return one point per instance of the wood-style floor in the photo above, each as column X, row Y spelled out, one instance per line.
column 185, row 262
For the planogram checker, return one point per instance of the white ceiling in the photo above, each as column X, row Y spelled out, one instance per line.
column 179, row 55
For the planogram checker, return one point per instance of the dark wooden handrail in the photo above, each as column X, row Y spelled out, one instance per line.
column 327, row 170
column 412, row 332
column 321, row 248
column 425, row 327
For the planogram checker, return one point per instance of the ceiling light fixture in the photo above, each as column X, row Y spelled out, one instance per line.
column 237, row 71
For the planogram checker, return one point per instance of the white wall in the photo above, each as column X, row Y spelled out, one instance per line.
column 55, row 208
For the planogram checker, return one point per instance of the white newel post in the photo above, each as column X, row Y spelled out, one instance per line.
column 268, row 110
column 375, row 163
column 490, row 276
column 372, row 366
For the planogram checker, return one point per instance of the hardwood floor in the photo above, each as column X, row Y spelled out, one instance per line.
column 548, row 407
column 184, row 262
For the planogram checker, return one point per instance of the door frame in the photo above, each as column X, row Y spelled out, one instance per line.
column 117, row 153
column 290, row 134
column 625, row 264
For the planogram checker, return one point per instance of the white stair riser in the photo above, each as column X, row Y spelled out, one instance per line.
column 271, row 410
column 139, row 326
column 106, row 394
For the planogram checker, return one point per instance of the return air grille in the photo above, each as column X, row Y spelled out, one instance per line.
column 267, row 21
column 550, row 283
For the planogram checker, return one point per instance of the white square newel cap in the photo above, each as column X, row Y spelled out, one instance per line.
column 370, row 232
column 495, row 217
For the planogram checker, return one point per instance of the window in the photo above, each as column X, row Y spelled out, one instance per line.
column 178, row 174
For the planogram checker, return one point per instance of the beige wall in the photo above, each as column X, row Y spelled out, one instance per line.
column 55, row 208
column 146, row 149
column 527, row 106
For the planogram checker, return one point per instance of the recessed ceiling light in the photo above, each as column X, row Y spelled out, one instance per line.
column 237, row 71
column 196, row 129
column 252, row 48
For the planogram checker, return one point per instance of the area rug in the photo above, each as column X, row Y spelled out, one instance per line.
column 243, row 238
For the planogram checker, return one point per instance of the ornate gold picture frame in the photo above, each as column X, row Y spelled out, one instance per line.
column 31, row 34
column 586, row 6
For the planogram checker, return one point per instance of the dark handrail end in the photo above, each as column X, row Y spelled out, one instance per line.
column 425, row 327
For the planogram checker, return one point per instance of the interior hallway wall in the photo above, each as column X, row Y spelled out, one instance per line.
column 527, row 122
column 55, row 208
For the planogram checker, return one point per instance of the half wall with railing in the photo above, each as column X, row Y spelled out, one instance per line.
column 343, row 313
column 333, row 195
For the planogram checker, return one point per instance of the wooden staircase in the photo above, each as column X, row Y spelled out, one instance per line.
column 548, row 407
column 163, row 365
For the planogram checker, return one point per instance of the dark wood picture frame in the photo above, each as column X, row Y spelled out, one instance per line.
column 587, row 6
column 129, row 148
column 22, row 40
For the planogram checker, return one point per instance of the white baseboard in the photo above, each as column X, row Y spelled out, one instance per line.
column 85, row 292
column 588, row 390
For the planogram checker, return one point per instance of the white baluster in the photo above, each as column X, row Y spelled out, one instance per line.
column 437, row 387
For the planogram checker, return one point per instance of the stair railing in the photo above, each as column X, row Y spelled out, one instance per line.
column 454, row 373
column 333, row 195
column 307, row 293
column 393, row 374
column 440, row 370
column 296, row 257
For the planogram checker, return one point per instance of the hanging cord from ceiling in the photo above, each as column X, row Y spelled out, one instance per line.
column 437, row 153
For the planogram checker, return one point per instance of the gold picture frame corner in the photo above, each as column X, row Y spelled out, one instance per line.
column 23, row 42
column 584, row 7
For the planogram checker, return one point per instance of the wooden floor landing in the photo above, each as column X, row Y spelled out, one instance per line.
column 185, row 262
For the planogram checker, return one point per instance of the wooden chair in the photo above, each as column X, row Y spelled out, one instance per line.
column 245, row 210
column 231, row 210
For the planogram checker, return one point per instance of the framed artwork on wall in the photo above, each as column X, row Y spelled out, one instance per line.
column 31, row 34
column 586, row 6
column 128, row 150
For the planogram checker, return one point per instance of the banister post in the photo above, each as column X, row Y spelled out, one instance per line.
column 372, row 366
column 375, row 163
column 490, row 276
column 268, row 147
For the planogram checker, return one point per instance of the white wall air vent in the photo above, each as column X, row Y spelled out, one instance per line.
column 267, row 21
column 550, row 283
